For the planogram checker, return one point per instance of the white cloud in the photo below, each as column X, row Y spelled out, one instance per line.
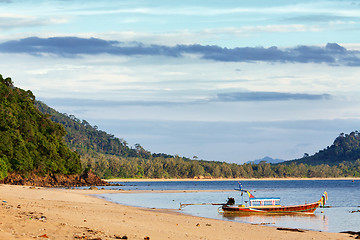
column 198, row 9
column 17, row 22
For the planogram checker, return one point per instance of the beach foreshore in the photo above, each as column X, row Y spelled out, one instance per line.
column 51, row 213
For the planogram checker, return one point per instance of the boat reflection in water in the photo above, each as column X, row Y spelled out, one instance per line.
column 281, row 220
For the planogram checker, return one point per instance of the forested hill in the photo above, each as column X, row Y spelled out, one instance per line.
column 345, row 149
column 29, row 140
column 89, row 140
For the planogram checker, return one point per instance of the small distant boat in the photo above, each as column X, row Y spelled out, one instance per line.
column 270, row 205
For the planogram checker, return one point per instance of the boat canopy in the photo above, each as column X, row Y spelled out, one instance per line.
column 264, row 201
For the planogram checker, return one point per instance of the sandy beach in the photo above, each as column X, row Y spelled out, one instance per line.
column 49, row 213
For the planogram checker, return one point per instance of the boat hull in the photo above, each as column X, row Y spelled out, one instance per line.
column 304, row 208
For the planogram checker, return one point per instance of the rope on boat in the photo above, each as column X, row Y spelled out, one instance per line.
column 190, row 204
column 230, row 201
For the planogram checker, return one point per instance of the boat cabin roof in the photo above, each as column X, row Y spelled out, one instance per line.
column 264, row 201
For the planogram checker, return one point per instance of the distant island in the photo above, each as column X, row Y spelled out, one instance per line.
column 266, row 160
column 36, row 140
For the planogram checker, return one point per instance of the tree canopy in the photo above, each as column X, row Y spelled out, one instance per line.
column 29, row 140
column 345, row 149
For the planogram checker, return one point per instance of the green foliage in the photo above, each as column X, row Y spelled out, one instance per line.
column 108, row 166
column 346, row 148
column 85, row 139
column 3, row 168
column 29, row 141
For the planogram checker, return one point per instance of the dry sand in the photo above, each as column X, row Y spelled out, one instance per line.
column 47, row 213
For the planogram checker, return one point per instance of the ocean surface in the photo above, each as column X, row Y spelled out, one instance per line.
column 341, row 214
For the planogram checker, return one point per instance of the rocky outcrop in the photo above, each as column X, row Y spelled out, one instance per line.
column 87, row 178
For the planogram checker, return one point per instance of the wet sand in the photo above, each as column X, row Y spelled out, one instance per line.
column 49, row 213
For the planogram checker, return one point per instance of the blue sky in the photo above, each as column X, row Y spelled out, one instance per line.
column 222, row 80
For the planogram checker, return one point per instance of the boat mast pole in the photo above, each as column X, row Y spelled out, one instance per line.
column 241, row 190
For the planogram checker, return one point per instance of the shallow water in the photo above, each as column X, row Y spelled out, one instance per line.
column 344, row 201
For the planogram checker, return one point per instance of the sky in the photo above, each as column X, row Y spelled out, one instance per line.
column 221, row 80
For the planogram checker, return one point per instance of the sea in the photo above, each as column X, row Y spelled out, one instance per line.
column 342, row 211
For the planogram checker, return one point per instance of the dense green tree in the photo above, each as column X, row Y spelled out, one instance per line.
column 345, row 148
column 3, row 167
column 29, row 141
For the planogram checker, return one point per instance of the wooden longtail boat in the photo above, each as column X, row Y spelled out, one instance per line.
column 304, row 208
column 270, row 205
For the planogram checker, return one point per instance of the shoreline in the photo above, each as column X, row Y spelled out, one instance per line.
column 219, row 179
column 53, row 213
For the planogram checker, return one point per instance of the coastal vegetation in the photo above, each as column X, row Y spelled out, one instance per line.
column 346, row 148
column 35, row 138
column 29, row 140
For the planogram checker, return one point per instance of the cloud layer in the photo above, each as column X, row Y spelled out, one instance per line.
column 221, row 97
column 332, row 53
column 268, row 96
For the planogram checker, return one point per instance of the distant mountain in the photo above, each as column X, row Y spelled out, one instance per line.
column 266, row 160
column 345, row 149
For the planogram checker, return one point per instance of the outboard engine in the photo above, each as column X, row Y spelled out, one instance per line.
column 230, row 201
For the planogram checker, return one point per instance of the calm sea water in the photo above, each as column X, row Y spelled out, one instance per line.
column 343, row 213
